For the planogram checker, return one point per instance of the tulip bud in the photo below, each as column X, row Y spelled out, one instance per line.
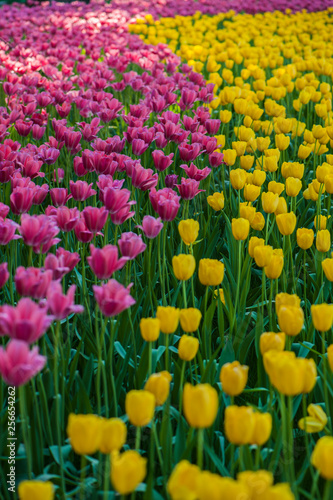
column 269, row 202
column 200, row 405
column 322, row 316
column 140, row 407
column 188, row 348
column 270, row 341
column 291, row 320
column 282, row 141
column 263, row 255
column 258, row 222
column 183, row 266
column 114, row 433
column 323, row 241
column 304, row 238
column 327, row 266
column 150, row 329
column 184, row 480
column 38, row 490
column 216, row 201
column 274, row 269
column 251, row 192
column 293, row 186
column 276, row 187
column 128, row 470
column 211, row 272
column 233, row 377
column 286, row 223
column 85, row 433
column 188, row 230
column 240, row 228
column 262, row 428
column 190, row 319
column 238, row 178
column 239, row 424
column 259, row 177
column 246, row 162
column 169, row 318
column 229, row 156
column 246, row 211
column 253, row 243
column 158, row 384
column 322, row 457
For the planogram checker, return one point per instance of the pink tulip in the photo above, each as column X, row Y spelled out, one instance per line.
column 32, row 282
column 104, row 261
column 4, row 274
column 131, row 245
column 189, row 188
column 196, row 173
column 165, row 202
column 59, row 196
column 18, row 364
column 21, row 200
column 38, row 231
column 113, row 298
column 7, row 231
column 81, row 190
column 151, row 226
column 161, row 161
column 82, row 233
column 95, row 218
column 60, row 305
column 26, row 321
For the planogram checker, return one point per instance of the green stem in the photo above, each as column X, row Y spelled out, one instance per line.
column 138, row 438
column 25, row 428
column 200, row 448
column 106, row 477
column 181, row 388
column 184, row 294
column 58, row 406
column 327, row 490
column 82, row 477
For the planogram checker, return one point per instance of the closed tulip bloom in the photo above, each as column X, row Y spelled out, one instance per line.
column 114, row 433
column 321, row 221
column 304, row 238
column 169, row 318
column 271, row 163
column 240, row 228
column 233, row 377
column 85, row 433
column 275, row 266
column 36, row 490
column 229, row 156
column 263, row 255
column 327, row 266
column 282, row 141
column 286, row 299
column 104, row 261
column 303, row 152
column 280, row 492
column 262, row 428
column 150, row 329
column 128, row 470
column 259, row 177
column 200, row 405
column 18, row 364
column 246, row 211
column 291, row 320
column 258, row 222
column 216, row 201
column 323, row 241
column 184, row 481
column 239, row 424
column 183, row 266
column 290, row 375
column 270, row 341
column 322, row 457
column 188, row 230
column 258, row 482
column 190, row 319
column 158, row 384
column 286, row 223
column 276, row 187
column 253, row 243
column 328, row 181
column 322, row 316
column 293, row 186
column 140, row 407
column 315, row 422
column 251, row 192
column 211, row 272
column 210, row 486
column 246, row 162
column 188, row 347
column 269, row 202
column 309, row 374
column 238, row 178
column 282, row 207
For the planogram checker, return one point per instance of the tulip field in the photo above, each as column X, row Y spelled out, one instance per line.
column 166, row 263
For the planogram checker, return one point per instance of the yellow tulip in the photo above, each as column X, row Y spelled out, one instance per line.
column 158, row 384
column 239, row 424
column 276, row 187
column 251, row 192
column 188, row 230
column 316, row 421
column 183, row 266
column 246, row 211
column 280, row 492
column 286, row 223
column 150, row 329
column 200, row 405
column 269, row 202
column 286, row 299
column 183, row 482
column 229, row 156
column 190, row 319
column 282, row 142
column 216, row 201
column 291, row 320
column 240, row 228
column 169, row 318
column 211, row 272
column 258, row 222
column 270, row 341
column 327, row 265
column 35, row 490
column 140, row 407
column 114, row 433
column 293, row 186
column 238, row 178
column 188, row 347
column 258, row 482
column 263, row 255
column 274, row 269
column 262, row 428
column 128, row 470
column 323, row 240
column 322, row 316
column 85, row 433
column 233, row 377
column 304, row 238
column 322, row 457
column 246, row 162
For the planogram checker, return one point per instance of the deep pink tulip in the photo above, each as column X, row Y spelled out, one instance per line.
column 139, row 147
column 113, row 298
column 48, row 155
column 18, row 364
column 189, row 152
column 215, row 159
column 63, row 262
column 37, row 132
column 212, row 126
column 21, row 200
column 123, row 214
column 189, row 188
column 165, row 202
column 144, row 178
column 95, row 218
column 40, row 193
column 59, row 196
column 196, row 173
column 151, row 227
column 81, row 190
column 60, row 305
column 4, row 210
column 39, row 231
column 209, row 144
column 7, row 231
column 82, row 233
column 32, row 282
column 131, row 245
column 72, row 141
column 66, row 218
column 78, row 167
column 161, row 161
column 26, row 321
column 104, row 261
column 114, row 199
column 23, row 128
column 31, row 168
column 4, row 274
column 58, row 176
column 171, row 180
